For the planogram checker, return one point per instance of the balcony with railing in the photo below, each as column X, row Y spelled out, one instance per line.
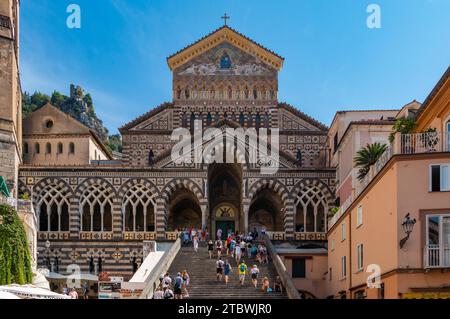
column 404, row 144
column 422, row 143
column 437, row 256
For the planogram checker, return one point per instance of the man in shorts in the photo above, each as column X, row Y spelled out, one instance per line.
column 177, row 285
column 242, row 272
column 219, row 269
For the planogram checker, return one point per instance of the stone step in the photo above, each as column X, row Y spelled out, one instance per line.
column 204, row 283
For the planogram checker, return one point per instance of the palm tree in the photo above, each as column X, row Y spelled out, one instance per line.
column 367, row 156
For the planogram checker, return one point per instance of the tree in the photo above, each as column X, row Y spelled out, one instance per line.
column 15, row 260
column 367, row 156
column 58, row 99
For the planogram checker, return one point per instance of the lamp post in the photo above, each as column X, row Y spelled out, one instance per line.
column 408, row 226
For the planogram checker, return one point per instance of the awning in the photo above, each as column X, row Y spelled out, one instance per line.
column 3, row 188
column 32, row 292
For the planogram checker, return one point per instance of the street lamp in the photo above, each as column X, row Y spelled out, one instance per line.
column 408, row 226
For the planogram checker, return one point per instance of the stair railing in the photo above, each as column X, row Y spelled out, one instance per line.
column 286, row 279
column 152, row 282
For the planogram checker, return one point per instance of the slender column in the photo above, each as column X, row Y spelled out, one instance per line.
column 204, row 209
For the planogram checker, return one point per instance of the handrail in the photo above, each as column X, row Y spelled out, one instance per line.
column 161, row 267
column 288, row 284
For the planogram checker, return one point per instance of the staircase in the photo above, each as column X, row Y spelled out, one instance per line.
column 203, row 281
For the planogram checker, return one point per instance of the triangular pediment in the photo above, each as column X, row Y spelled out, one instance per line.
column 222, row 35
column 291, row 119
column 51, row 120
column 157, row 119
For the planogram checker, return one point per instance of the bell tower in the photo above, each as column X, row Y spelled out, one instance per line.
column 10, row 95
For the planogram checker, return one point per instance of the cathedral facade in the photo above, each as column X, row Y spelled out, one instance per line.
column 97, row 215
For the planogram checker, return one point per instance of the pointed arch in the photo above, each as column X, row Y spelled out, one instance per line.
column 95, row 203
column 51, row 200
column 138, row 198
column 312, row 201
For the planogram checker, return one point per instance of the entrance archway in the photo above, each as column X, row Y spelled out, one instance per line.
column 184, row 211
column 265, row 211
column 225, row 198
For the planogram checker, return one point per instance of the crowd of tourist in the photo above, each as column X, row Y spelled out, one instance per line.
column 176, row 288
column 234, row 245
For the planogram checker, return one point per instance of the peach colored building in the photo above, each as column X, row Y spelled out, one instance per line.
column 349, row 132
column 398, row 224
column 51, row 137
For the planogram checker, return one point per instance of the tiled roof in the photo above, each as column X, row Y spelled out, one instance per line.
column 146, row 116
column 302, row 115
column 217, row 30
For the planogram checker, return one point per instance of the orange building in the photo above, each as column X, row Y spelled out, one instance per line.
column 393, row 239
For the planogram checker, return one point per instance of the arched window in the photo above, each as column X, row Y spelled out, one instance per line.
column 249, row 120
column 311, row 210
column 266, row 120
column 25, row 148
column 208, row 119
column 186, row 93
column 246, row 93
column 43, row 218
column 60, row 148
column 212, row 93
column 241, row 119
column 53, row 208
column 37, row 148
column 71, row 148
column 138, row 209
column 255, row 94
column 54, row 218
column 48, row 148
column 95, row 208
column 257, row 121
column 192, row 122
column 225, row 61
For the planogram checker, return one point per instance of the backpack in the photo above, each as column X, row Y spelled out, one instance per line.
column 168, row 295
column 178, row 282
column 242, row 267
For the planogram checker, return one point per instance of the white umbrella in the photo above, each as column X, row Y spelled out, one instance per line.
column 32, row 292
column 40, row 281
column 85, row 277
column 54, row 275
column 7, row 295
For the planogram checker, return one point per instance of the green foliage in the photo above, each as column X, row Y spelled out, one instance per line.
column 402, row 125
column 334, row 210
column 31, row 103
column 367, row 156
column 88, row 99
column 15, row 261
column 25, row 196
column 115, row 143
column 58, row 99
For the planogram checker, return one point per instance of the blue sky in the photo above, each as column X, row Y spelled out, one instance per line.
column 332, row 60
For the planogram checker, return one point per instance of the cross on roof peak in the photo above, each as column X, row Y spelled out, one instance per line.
column 225, row 18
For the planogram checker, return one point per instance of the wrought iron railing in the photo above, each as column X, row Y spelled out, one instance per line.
column 421, row 143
